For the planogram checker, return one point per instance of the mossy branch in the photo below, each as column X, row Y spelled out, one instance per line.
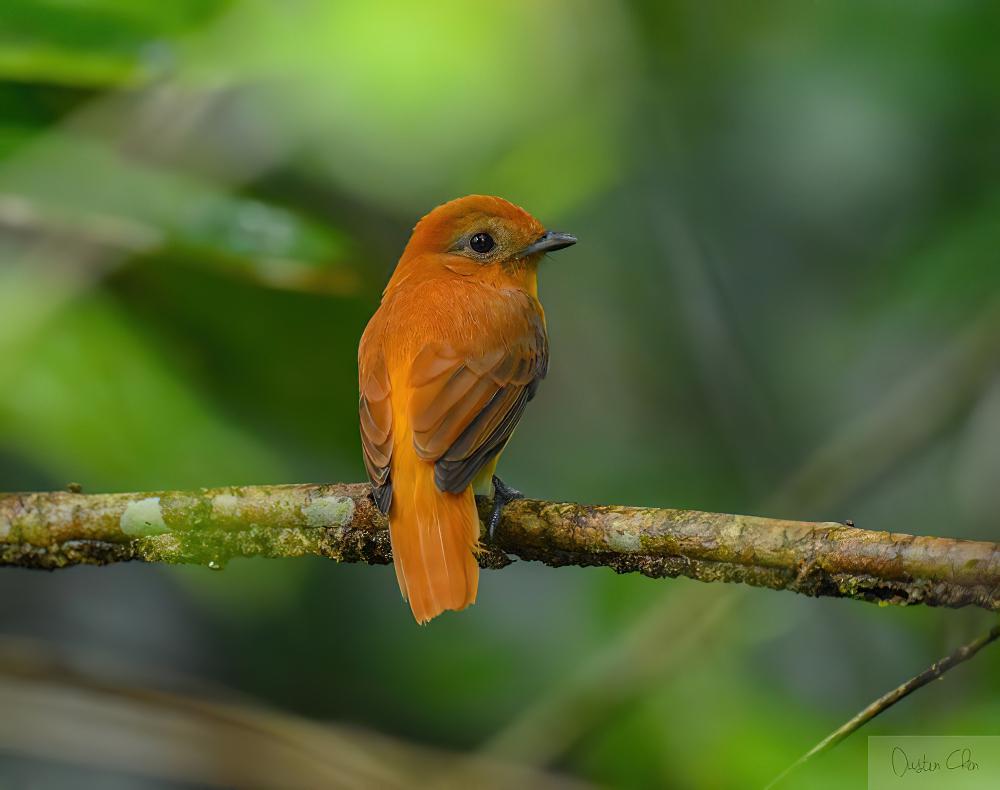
column 212, row 526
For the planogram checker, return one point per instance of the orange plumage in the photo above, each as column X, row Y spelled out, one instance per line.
column 446, row 366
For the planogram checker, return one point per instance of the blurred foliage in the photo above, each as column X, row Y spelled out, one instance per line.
column 787, row 211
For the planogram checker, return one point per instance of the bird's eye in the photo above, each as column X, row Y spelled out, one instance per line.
column 482, row 243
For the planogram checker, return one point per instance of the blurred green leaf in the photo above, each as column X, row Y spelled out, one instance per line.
column 88, row 191
column 408, row 105
column 87, row 400
column 98, row 43
column 956, row 269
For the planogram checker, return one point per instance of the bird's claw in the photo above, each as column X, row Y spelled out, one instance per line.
column 503, row 494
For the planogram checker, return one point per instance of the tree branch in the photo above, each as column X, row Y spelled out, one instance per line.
column 211, row 526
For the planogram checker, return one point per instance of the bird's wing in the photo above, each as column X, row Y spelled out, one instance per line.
column 375, row 409
column 464, row 406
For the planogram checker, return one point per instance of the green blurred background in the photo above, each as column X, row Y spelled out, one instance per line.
column 785, row 301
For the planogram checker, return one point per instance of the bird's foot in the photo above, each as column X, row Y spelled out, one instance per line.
column 503, row 494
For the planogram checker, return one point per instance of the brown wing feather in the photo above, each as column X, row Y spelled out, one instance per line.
column 464, row 407
column 483, row 439
column 375, row 410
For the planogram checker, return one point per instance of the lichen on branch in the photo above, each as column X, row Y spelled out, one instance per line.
column 211, row 526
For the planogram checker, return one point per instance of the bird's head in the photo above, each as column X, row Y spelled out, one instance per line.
column 471, row 233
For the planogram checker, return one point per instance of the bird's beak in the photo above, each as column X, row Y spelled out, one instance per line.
column 550, row 241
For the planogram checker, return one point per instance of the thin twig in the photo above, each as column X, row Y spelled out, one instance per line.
column 886, row 701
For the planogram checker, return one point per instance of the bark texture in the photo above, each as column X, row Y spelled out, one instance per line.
column 211, row 526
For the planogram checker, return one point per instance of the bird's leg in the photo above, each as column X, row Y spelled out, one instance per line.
column 503, row 494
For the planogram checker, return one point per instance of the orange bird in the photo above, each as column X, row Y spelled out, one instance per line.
column 445, row 368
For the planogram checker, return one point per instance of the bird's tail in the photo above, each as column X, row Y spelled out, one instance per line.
column 435, row 538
